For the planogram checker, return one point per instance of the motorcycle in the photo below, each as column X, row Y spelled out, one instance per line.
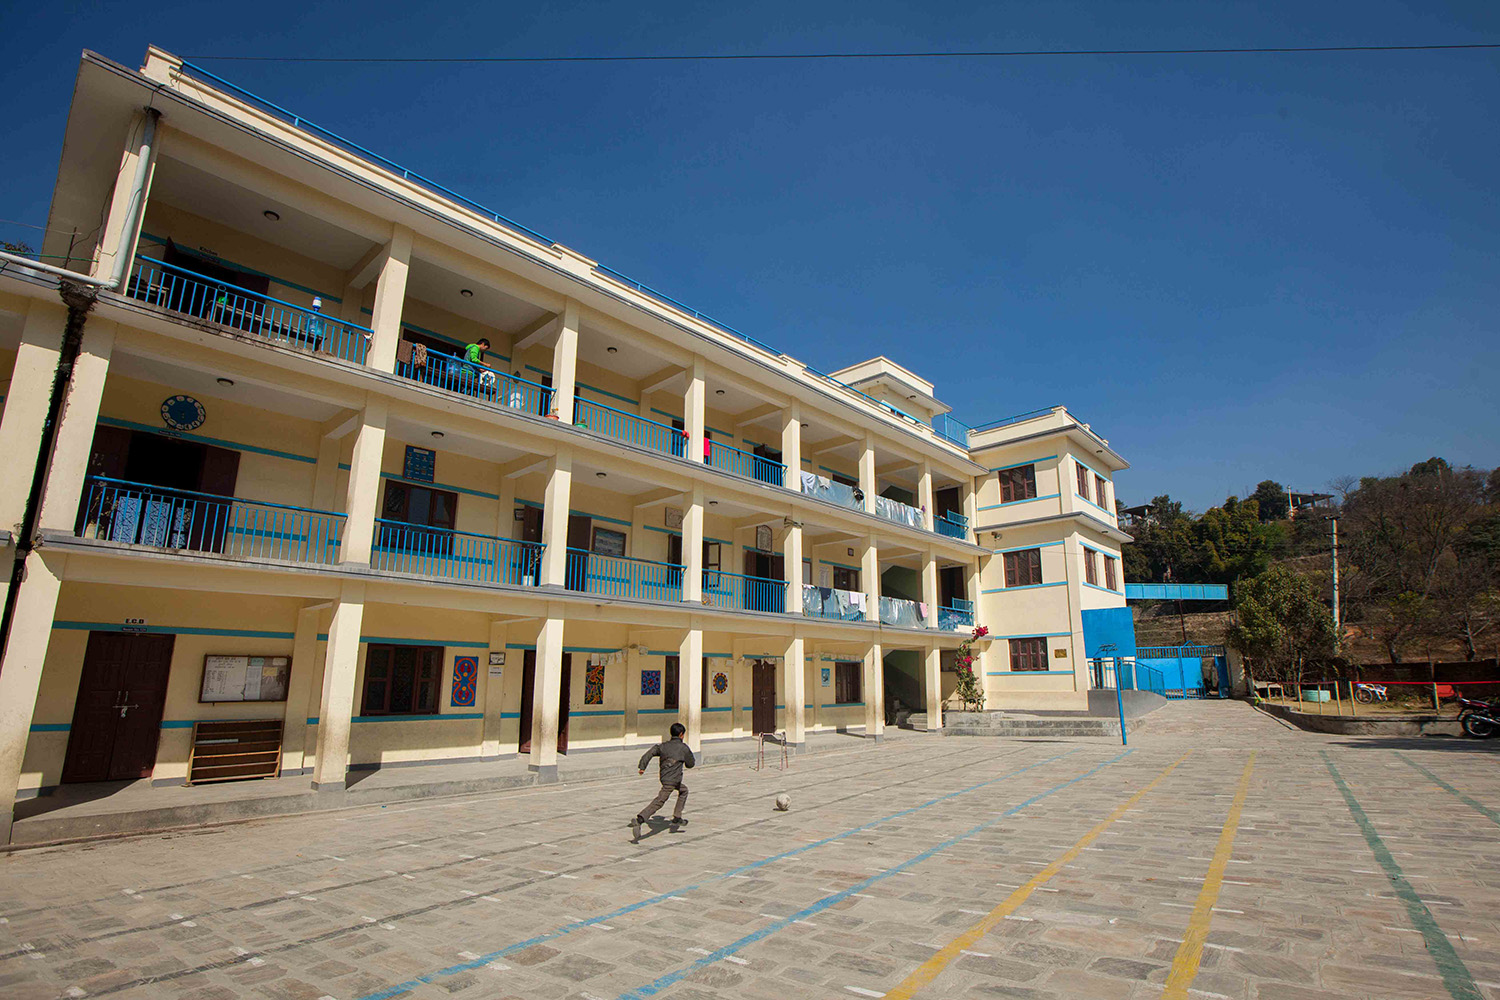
column 1479, row 719
column 1369, row 694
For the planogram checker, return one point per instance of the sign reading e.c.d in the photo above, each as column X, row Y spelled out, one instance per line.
column 134, row 626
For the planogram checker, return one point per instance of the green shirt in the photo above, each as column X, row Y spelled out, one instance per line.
column 473, row 352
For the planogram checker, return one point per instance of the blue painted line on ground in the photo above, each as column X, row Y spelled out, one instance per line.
column 671, row 978
column 577, row 925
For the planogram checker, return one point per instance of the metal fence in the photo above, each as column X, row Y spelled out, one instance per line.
column 628, row 427
column 623, row 576
column 743, row 593
column 401, row 547
column 743, row 463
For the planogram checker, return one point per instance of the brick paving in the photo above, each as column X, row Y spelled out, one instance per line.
column 885, row 857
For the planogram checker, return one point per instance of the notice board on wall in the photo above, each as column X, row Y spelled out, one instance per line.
column 245, row 678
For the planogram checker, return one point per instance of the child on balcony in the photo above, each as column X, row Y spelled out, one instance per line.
column 474, row 355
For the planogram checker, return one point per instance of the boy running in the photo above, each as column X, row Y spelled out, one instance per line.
column 675, row 755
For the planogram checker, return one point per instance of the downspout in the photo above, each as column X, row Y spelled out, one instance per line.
column 78, row 292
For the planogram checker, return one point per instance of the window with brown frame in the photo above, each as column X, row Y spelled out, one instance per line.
column 846, row 681
column 1109, row 572
column 845, row 579
column 669, row 682
column 1099, row 495
column 402, row 680
column 1028, row 654
column 426, row 519
column 1091, row 567
column 1024, row 568
column 1082, row 475
column 1018, row 483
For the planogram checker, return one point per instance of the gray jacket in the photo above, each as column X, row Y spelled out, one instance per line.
column 675, row 755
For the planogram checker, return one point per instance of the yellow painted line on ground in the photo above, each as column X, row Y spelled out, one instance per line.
column 934, row 966
column 1190, row 952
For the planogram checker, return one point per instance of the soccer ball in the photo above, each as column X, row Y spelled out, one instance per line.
column 783, row 802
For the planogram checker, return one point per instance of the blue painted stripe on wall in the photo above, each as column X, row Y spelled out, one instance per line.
column 1024, row 673
column 1092, row 504
column 1023, row 548
column 131, row 425
column 179, row 723
column 1017, row 465
column 246, row 633
column 325, row 296
column 1033, row 635
column 1012, row 503
column 439, row 486
column 674, row 531
column 388, row 641
column 419, row 718
column 50, row 727
column 657, row 711
column 1095, row 586
column 575, row 712
column 1029, row 586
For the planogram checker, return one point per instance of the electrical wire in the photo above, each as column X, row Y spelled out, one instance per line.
column 805, row 56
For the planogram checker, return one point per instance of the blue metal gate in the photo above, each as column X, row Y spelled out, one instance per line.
column 1183, row 670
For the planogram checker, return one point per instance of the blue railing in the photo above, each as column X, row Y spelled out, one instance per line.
column 623, row 576
column 469, row 378
column 401, row 547
column 743, row 593
column 957, row 614
column 826, row 602
column 952, row 430
column 255, row 313
column 900, row 612
column 743, row 463
column 1128, row 675
column 953, row 524
column 1017, row 419
column 140, row 514
column 628, row 427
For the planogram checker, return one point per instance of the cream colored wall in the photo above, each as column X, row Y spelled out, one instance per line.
column 1077, row 501
column 1045, row 456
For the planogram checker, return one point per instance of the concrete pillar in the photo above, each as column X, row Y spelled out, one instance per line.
column 693, row 401
column 114, row 243
column 869, row 579
column 390, row 298
column 635, row 662
column 794, row 689
column 336, row 708
column 326, row 474
column 933, row 670
column 555, row 500
column 362, row 498
column 565, row 363
column 930, row 588
column 967, row 493
column 692, row 548
column 791, row 445
column 493, row 685
column 26, row 400
column 924, row 496
column 874, row 692
column 75, row 430
column 21, row 672
column 545, row 698
column 973, row 584
column 690, row 686
column 792, row 558
column 299, row 689
column 867, row 472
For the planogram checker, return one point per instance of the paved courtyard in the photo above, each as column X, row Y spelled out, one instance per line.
column 1223, row 855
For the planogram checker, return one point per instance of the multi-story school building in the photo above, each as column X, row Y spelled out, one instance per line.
column 256, row 471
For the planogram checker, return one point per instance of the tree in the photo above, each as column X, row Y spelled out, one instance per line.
column 1282, row 623
column 1232, row 543
column 1273, row 501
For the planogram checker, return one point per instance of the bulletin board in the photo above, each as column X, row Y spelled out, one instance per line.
column 244, row 678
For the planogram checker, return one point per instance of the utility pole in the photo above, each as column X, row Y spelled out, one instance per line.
column 1337, row 623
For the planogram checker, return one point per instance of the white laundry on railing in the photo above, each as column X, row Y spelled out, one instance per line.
column 895, row 510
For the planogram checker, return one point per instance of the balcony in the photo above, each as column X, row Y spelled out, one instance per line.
column 737, row 592
column 184, row 520
column 953, row 524
column 743, row 463
column 829, row 602
column 623, row 576
column 454, row 555
column 242, row 310
column 627, row 427
column 958, row 614
column 902, row 613
column 469, row 378
column 833, row 491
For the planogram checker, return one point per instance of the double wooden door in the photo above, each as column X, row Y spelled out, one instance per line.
column 763, row 697
column 528, row 693
column 117, row 717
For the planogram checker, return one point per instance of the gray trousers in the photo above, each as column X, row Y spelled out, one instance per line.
column 661, row 800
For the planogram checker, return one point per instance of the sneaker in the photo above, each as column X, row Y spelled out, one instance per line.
column 679, row 821
column 635, row 827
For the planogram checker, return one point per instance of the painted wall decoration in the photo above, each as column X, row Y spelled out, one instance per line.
column 465, row 680
column 593, row 684
column 721, row 682
column 420, row 464
column 825, row 676
column 650, row 682
column 183, row 413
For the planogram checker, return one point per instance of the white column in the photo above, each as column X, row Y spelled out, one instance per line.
column 299, row 689
column 867, row 472
column 21, row 673
column 494, row 692
column 794, row 691
column 924, row 496
column 971, row 508
column 874, row 692
column 869, row 579
column 26, row 400
column 690, row 686
column 565, row 363
column 692, row 548
column 362, row 498
column 336, row 708
column 930, row 588
column 934, row 684
column 390, row 297
column 635, row 662
column 792, row 562
column 546, row 699
column 973, row 584
column 115, row 243
column 791, row 445
column 693, row 401
column 555, row 500
column 74, row 440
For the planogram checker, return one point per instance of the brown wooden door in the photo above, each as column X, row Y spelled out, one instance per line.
column 580, row 534
column 531, row 524
column 763, row 697
column 220, row 473
column 528, row 693
column 117, row 716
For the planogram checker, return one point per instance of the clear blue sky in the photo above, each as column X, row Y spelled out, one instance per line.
column 1235, row 267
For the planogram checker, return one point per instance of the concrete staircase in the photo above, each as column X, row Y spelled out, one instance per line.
column 1021, row 725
